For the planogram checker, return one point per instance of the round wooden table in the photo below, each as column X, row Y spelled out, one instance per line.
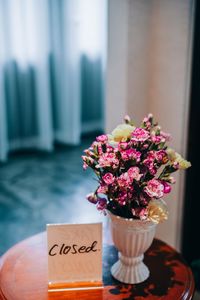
column 23, row 275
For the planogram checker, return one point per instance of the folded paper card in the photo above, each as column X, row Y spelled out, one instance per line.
column 74, row 256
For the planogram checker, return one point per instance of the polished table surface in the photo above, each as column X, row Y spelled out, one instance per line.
column 23, row 275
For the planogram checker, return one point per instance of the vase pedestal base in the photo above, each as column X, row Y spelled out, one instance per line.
column 130, row 270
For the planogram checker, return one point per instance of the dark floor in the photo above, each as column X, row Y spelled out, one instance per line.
column 41, row 188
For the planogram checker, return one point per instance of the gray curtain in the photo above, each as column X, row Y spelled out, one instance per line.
column 51, row 84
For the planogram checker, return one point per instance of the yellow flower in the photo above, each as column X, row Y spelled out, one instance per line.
column 176, row 157
column 121, row 133
column 171, row 154
column 157, row 211
column 183, row 163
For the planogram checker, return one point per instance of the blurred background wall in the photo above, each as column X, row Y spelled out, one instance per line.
column 149, row 70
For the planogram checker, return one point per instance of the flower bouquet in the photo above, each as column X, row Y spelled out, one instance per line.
column 134, row 167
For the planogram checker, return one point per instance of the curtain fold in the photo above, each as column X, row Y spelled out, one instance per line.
column 3, row 119
column 43, row 91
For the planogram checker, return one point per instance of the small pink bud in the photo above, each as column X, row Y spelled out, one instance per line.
column 92, row 198
column 167, row 187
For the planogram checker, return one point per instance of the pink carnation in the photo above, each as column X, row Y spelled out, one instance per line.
column 134, row 173
column 176, row 165
column 167, row 187
column 85, row 166
column 147, row 121
column 150, row 165
column 102, row 204
column 131, row 154
column 100, row 150
column 108, row 160
column 102, row 138
column 122, row 145
column 140, row 135
column 124, row 180
column 149, row 162
column 157, row 139
column 108, row 178
column 154, row 188
column 122, row 198
column 87, row 161
column 143, row 199
column 160, row 155
column 102, row 189
column 88, row 152
column 109, row 149
column 140, row 212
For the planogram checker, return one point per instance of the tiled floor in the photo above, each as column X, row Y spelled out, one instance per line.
column 41, row 188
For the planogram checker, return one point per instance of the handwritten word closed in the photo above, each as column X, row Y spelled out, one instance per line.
column 74, row 252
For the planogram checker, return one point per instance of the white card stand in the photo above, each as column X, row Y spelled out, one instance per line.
column 74, row 257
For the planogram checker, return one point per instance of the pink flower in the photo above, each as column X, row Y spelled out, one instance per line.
column 85, row 166
column 102, row 189
column 157, row 139
column 143, row 199
column 131, row 154
column 102, row 138
column 87, row 161
column 147, row 121
column 108, row 160
column 122, row 198
column 84, row 158
column 151, row 155
column 124, row 155
column 161, row 156
column 154, row 188
column 102, row 204
column 124, row 180
column 167, row 187
column 108, row 178
column 122, row 145
column 109, row 149
column 145, row 146
column 88, row 152
column 134, row 173
column 152, row 170
column 176, row 165
column 140, row 212
column 149, row 163
column 140, row 135
column 92, row 198
column 100, row 150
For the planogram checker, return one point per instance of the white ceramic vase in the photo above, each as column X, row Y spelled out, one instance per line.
column 132, row 238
